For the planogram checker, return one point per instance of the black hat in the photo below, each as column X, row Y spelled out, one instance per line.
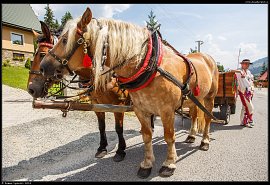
column 246, row 61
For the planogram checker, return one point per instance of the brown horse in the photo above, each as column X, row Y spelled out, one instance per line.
column 126, row 53
column 37, row 88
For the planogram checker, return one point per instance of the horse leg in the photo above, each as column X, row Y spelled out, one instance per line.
column 168, row 165
column 120, row 153
column 193, row 129
column 152, row 122
column 101, row 151
column 209, row 104
column 146, row 165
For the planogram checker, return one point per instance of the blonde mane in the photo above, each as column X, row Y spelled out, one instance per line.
column 125, row 42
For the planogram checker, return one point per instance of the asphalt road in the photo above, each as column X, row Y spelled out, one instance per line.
column 41, row 145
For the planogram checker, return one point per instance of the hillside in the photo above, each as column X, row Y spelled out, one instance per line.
column 256, row 67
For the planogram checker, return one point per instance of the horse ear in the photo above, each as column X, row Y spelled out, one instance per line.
column 86, row 18
column 46, row 31
column 36, row 34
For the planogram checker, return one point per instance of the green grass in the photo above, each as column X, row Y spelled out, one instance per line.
column 15, row 77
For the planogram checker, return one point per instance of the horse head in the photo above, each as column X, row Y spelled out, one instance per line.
column 37, row 84
column 67, row 55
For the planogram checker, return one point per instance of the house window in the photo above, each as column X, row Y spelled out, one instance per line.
column 17, row 38
column 18, row 56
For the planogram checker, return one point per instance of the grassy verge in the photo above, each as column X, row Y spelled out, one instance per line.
column 15, row 77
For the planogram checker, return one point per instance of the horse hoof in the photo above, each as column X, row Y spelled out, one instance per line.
column 190, row 139
column 119, row 157
column 204, row 146
column 143, row 173
column 166, row 171
column 101, row 154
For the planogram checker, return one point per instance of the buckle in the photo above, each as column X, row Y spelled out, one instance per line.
column 80, row 41
column 64, row 62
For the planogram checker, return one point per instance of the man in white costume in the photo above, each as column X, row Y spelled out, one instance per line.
column 245, row 90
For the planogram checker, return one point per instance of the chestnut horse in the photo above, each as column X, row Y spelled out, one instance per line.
column 125, row 55
column 37, row 88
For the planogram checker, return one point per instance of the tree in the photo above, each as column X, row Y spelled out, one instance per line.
column 152, row 24
column 49, row 17
column 65, row 18
column 193, row 50
column 56, row 24
column 220, row 68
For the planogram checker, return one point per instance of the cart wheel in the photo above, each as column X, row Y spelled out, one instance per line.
column 225, row 113
column 64, row 114
column 233, row 107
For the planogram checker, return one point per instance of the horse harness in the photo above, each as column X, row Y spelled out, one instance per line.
column 148, row 71
column 149, row 68
column 50, row 45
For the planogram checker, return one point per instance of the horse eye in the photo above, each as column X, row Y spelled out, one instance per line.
column 64, row 41
column 42, row 55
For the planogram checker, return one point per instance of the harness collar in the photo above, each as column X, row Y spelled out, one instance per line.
column 148, row 70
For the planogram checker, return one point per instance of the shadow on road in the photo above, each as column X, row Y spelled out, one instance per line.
column 66, row 158
column 107, row 170
column 76, row 155
column 79, row 154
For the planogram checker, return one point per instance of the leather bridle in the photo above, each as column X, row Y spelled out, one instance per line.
column 49, row 45
column 65, row 61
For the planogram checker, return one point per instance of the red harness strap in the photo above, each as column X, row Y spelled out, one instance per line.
column 143, row 68
column 154, row 74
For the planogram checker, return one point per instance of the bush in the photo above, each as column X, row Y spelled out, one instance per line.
column 28, row 63
column 6, row 63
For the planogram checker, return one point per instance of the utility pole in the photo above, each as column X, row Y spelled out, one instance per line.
column 199, row 44
column 238, row 57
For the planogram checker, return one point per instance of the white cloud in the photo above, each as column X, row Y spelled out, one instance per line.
column 211, row 46
column 222, row 38
column 251, row 51
column 40, row 11
column 106, row 10
column 109, row 10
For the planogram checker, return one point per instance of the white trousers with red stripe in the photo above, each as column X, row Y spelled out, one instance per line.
column 247, row 107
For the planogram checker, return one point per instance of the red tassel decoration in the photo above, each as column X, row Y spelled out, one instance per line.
column 196, row 90
column 87, row 61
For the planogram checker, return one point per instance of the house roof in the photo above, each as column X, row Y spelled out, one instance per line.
column 20, row 16
column 264, row 76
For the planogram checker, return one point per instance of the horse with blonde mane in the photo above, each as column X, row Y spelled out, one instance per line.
column 38, row 86
column 126, row 54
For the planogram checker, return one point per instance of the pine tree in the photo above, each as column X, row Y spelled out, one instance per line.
column 65, row 18
column 49, row 17
column 193, row 50
column 56, row 24
column 152, row 24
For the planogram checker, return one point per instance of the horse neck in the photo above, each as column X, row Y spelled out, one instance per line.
column 128, row 70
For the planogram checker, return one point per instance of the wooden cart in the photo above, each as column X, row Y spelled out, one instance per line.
column 227, row 95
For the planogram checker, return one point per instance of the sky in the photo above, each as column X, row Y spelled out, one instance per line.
column 223, row 28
